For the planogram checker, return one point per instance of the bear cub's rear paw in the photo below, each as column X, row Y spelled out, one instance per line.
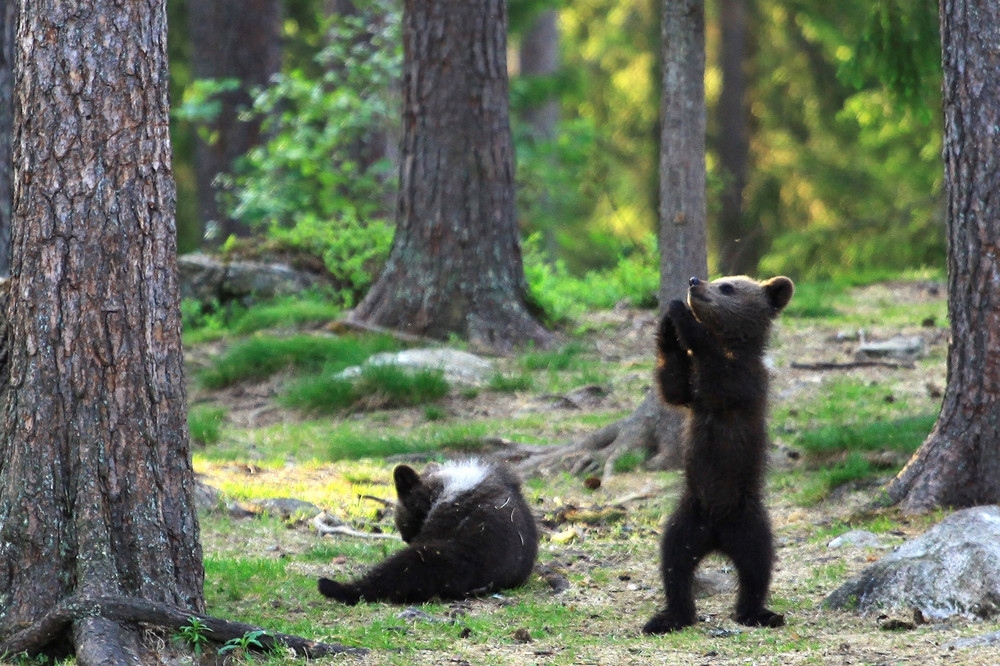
column 345, row 594
column 665, row 622
column 762, row 618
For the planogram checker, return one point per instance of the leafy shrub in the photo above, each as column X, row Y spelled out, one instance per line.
column 635, row 280
column 309, row 186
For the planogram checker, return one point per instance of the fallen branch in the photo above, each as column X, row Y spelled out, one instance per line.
column 34, row 638
column 850, row 365
column 326, row 525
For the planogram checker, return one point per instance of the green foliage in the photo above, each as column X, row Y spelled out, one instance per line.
column 243, row 644
column 205, row 423
column 260, row 356
column 634, row 279
column 380, row 386
column 846, row 179
column 900, row 46
column 195, row 634
column 315, row 185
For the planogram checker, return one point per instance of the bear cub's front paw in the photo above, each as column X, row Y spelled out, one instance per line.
column 677, row 310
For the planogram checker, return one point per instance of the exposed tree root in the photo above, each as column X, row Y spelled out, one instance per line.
column 652, row 428
column 100, row 639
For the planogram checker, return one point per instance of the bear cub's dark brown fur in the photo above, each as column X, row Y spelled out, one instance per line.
column 468, row 529
column 711, row 362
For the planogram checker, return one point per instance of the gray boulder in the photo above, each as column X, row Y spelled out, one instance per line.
column 207, row 279
column 953, row 569
column 459, row 367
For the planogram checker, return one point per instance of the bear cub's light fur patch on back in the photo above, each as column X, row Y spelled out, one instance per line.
column 461, row 476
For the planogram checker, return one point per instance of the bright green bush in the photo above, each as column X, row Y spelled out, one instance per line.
column 310, row 187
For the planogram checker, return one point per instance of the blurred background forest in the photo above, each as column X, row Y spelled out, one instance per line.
column 820, row 165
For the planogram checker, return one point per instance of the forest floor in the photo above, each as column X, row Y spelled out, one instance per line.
column 602, row 544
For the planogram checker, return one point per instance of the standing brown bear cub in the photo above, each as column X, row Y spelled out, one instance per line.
column 711, row 361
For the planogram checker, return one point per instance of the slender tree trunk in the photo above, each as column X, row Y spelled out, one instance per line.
column 96, row 484
column 959, row 463
column 739, row 242
column 455, row 264
column 655, row 427
column 683, row 242
column 8, row 30
column 239, row 39
column 539, row 57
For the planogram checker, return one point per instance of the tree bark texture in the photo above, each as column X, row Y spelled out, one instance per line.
column 959, row 463
column 682, row 230
column 96, row 483
column 8, row 30
column 683, row 244
column 455, row 264
column 739, row 241
column 238, row 39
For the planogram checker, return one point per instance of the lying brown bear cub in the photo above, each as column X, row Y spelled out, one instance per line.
column 469, row 532
column 710, row 360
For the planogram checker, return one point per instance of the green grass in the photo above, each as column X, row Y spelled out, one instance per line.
column 286, row 313
column 205, row 423
column 511, row 383
column 261, row 356
column 902, row 434
column 377, row 387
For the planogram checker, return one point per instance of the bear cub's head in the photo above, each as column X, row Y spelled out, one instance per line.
column 416, row 496
column 738, row 307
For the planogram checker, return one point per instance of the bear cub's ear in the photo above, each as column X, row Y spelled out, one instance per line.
column 779, row 291
column 406, row 479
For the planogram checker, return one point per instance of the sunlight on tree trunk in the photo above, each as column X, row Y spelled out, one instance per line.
column 959, row 463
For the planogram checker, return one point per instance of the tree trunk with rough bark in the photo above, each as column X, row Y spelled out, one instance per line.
column 655, row 427
column 96, row 484
column 8, row 30
column 237, row 39
column 455, row 265
column 959, row 463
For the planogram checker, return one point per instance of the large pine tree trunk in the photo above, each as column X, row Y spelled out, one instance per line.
column 96, row 484
column 239, row 39
column 455, row 264
column 959, row 463
column 8, row 29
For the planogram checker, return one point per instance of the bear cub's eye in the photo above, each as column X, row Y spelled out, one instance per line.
column 727, row 289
